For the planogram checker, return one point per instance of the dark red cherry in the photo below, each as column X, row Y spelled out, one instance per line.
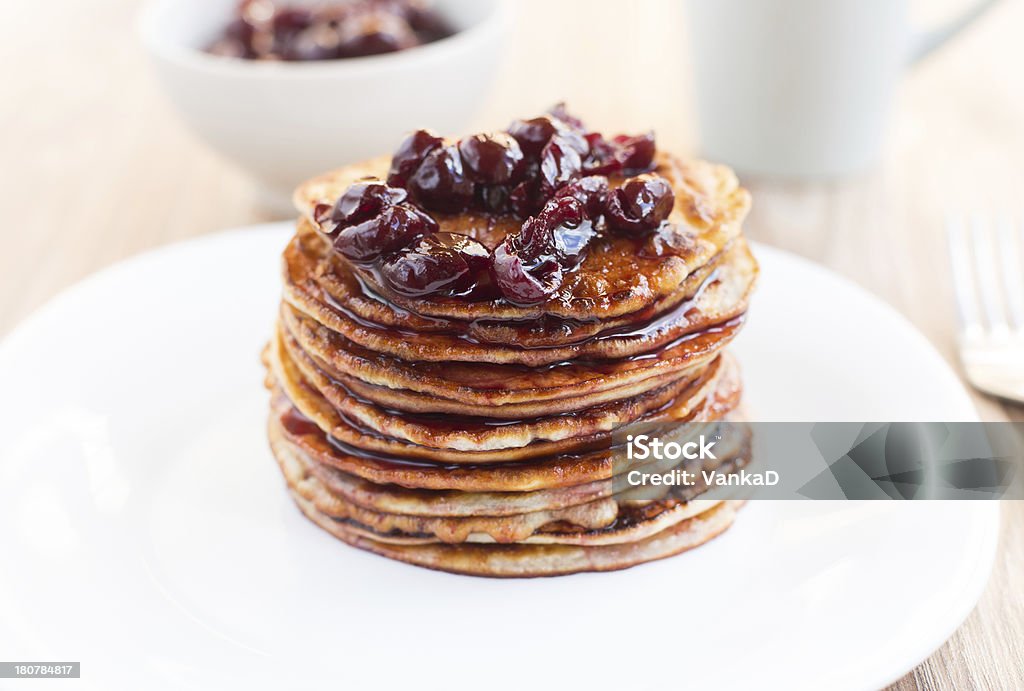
column 559, row 163
column 575, row 140
column 601, row 157
column 440, row 184
column 533, row 134
column 359, row 202
column 536, row 235
column 591, row 192
column 474, row 253
column 642, row 203
column 291, row 20
column 560, row 233
column 373, row 32
column 534, row 239
column 524, row 199
column 294, row 36
column 528, row 266
column 440, row 263
column 426, row 22
column 559, row 112
column 493, row 159
column 620, row 154
column 237, row 40
column 239, row 29
column 520, row 283
column 410, row 155
column 318, row 42
column 571, row 243
column 572, row 230
column 635, row 153
column 260, row 31
column 394, row 228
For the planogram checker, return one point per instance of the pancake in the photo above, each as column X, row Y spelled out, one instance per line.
column 288, row 426
column 675, row 402
column 518, row 560
column 507, row 391
column 722, row 296
column 616, row 279
column 315, row 269
column 581, row 523
column 599, row 522
column 633, row 526
column 509, row 528
column 418, row 502
column 451, row 428
column 475, row 433
column 394, row 498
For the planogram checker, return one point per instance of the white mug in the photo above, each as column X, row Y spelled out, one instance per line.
column 802, row 88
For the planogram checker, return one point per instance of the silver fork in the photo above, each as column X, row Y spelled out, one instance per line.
column 987, row 259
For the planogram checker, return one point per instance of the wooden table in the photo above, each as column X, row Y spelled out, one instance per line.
column 96, row 167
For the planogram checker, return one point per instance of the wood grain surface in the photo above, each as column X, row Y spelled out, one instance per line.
column 96, row 167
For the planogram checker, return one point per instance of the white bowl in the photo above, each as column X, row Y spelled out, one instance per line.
column 284, row 122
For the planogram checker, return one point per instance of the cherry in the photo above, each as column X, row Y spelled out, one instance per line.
column 559, row 112
column 473, row 252
column 536, row 235
column 517, row 171
column 239, row 29
column 541, row 170
column 290, row 20
column 620, row 154
column 570, row 129
column 533, row 134
column 440, row 263
column 440, row 184
column 524, row 199
column 559, row 163
column 591, row 192
column 318, row 42
column 493, row 159
column 520, row 283
column 427, row 24
column 236, row 41
column 261, row 31
column 560, row 232
column 529, row 265
column 410, row 155
column 392, row 229
column 358, row 203
column 372, row 32
column 601, row 159
column 571, row 243
column 635, row 153
column 576, row 141
column 642, row 203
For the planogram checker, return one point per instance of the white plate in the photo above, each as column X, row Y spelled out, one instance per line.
column 145, row 530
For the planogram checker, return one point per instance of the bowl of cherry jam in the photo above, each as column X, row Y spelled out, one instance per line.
column 287, row 90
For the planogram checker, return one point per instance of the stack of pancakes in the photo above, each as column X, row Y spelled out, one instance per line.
column 477, row 437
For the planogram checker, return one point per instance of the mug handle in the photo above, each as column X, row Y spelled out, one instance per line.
column 927, row 41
